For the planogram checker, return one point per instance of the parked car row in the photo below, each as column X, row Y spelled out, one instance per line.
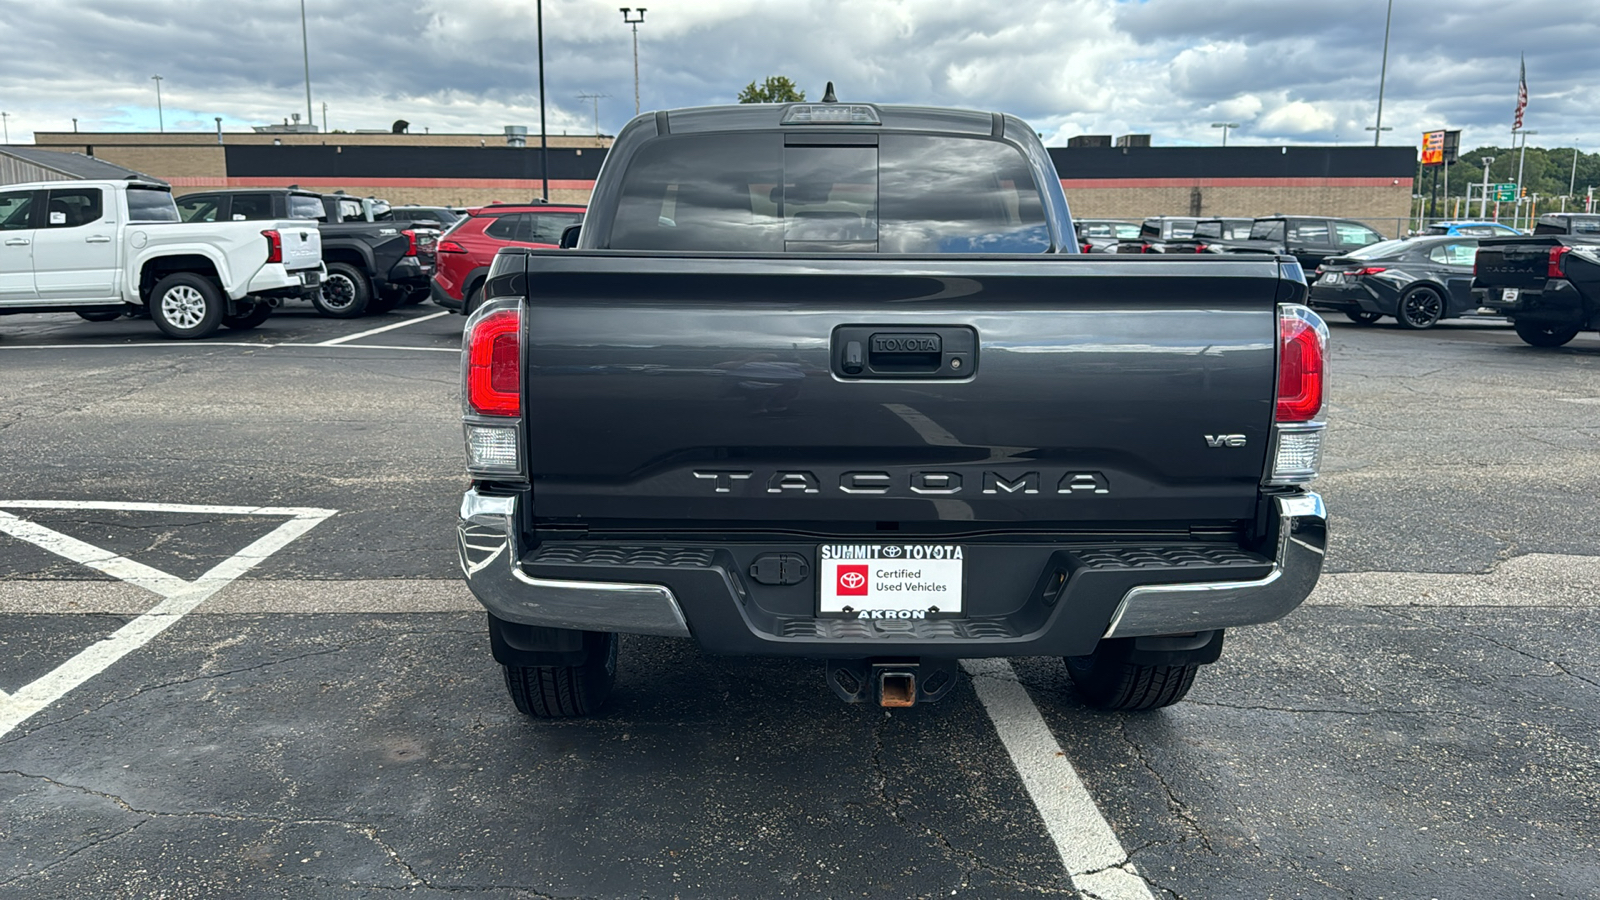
column 105, row 248
column 1544, row 283
column 377, row 256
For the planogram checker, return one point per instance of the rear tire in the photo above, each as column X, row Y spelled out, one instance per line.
column 185, row 305
column 416, row 297
column 1106, row 679
column 474, row 299
column 1420, row 308
column 566, row 692
column 1539, row 334
column 255, row 315
column 345, row 292
column 1364, row 317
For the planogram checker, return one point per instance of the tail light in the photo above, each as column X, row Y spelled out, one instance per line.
column 1144, row 248
column 1302, row 380
column 1201, row 248
column 493, row 370
column 274, row 246
column 1558, row 262
column 1302, row 344
column 450, row 247
column 1370, row 270
column 494, row 357
column 1083, row 248
column 411, row 242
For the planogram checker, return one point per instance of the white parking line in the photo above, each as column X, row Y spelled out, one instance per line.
column 180, row 597
column 361, row 334
column 1089, row 849
column 183, row 345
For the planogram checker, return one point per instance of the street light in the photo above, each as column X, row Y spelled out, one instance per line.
column 1380, row 130
column 1225, row 126
column 1483, row 202
column 6, row 125
column 544, row 149
column 305, row 54
column 628, row 19
column 1383, row 75
column 161, row 121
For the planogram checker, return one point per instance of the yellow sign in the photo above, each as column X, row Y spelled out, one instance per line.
column 1433, row 148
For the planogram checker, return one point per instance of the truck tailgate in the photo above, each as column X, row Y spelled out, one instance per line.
column 1100, row 392
column 302, row 244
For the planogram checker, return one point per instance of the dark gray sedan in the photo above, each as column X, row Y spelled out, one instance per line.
column 1419, row 281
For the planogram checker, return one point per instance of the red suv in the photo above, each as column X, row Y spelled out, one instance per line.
column 467, row 249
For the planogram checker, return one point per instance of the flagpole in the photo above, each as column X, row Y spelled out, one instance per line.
column 1516, row 128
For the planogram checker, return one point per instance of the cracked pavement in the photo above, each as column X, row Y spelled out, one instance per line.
column 332, row 725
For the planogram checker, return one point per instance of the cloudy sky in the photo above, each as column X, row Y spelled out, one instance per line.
column 1288, row 72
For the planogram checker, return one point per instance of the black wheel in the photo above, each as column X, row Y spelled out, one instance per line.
column 1419, row 308
column 1106, row 679
column 1544, row 335
column 345, row 292
column 1364, row 317
column 474, row 297
column 186, row 305
column 415, row 297
column 565, row 692
column 100, row 315
column 254, row 315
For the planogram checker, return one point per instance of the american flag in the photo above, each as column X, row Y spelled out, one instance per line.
column 1522, row 96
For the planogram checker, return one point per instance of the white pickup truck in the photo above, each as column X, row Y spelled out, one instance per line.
column 106, row 248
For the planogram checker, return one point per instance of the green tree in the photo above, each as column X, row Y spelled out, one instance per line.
column 777, row 89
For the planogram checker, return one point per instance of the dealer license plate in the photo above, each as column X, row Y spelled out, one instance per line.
column 1332, row 278
column 890, row 581
column 1510, row 295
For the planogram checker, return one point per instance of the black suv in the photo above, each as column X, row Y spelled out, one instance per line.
column 1311, row 239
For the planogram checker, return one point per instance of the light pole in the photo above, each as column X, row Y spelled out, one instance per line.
column 1483, row 202
column 1521, row 158
column 5, row 124
column 544, row 151
column 305, row 53
column 627, row 18
column 1572, row 183
column 1380, row 129
column 161, row 121
column 1225, row 126
column 1383, row 75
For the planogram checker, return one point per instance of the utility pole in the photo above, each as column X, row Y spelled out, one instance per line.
column 596, row 98
column 161, row 120
column 306, row 56
column 1383, row 75
column 544, row 150
column 1483, row 204
column 628, row 19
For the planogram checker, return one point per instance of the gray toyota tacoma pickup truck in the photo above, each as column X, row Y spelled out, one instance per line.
column 832, row 380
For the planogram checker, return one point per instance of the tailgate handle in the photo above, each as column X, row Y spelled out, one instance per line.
column 918, row 352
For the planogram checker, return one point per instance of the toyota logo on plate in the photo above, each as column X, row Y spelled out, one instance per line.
column 891, row 551
column 852, row 579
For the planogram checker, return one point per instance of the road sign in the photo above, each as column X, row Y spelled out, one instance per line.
column 1504, row 192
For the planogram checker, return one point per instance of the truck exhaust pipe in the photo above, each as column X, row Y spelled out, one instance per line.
column 891, row 683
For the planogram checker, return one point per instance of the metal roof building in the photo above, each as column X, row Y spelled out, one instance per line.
column 19, row 165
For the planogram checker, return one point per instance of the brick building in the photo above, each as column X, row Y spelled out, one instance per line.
column 1373, row 184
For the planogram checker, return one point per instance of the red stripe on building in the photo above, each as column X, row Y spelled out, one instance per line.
column 1081, row 183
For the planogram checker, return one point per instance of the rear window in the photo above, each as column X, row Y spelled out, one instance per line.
column 151, row 205
column 1380, row 250
column 748, row 192
column 302, row 207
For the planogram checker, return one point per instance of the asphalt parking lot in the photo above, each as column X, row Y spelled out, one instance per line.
column 236, row 661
